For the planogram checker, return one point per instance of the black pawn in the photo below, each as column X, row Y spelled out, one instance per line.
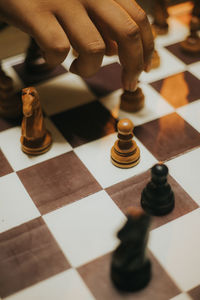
column 158, row 197
column 130, row 268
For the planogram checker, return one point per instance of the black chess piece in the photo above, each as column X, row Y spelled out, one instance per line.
column 34, row 61
column 157, row 197
column 130, row 267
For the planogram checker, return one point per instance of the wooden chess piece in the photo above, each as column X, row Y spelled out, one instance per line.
column 35, row 138
column 125, row 152
column 160, row 25
column 10, row 104
column 155, row 61
column 157, row 197
column 192, row 43
column 130, row 267
column 34, row 61
column 132, row 101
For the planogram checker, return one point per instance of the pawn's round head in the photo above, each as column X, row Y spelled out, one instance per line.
column 159, row 169
column 159, row 173
column 125, row 126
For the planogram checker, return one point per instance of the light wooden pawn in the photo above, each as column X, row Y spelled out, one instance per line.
column 125, row 152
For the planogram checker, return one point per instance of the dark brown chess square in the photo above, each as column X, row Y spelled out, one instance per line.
column 179, row 89
column 29, row 78
column 28, row 254
column 85, row 123
column 96, row 275
column 58, row 181
column 168, row 136
column 6, row 123
column 106, row 80
column 195, row 293
column 5, row 167
column 187, row 58
column 128, row 193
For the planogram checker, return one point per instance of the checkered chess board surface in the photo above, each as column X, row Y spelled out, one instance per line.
column 59, row 212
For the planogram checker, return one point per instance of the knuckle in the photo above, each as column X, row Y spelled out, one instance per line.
column 96, row 47
column 142, row 17
column 60, row 49
column 132, row 31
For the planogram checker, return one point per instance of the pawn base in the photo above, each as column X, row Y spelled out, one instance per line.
column 130, row 281
column 36, row 149
column 127, row 158
column 132, row 101
column 124, row 165
column 154, row 209
column 191, row 45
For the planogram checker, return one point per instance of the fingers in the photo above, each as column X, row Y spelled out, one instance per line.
column 123, row 29
column 139, row 16
column 85, row 39
column 51, row 38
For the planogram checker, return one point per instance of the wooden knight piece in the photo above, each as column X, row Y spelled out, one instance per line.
column 35, row 138
column 125, row 152
column 10, row 104
column 132, row 101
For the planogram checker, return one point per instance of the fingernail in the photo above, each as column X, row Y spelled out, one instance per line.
column 147, row 67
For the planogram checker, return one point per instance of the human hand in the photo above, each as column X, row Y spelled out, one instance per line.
column 92, row 27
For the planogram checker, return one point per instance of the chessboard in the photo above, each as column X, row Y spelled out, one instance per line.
column 60, row 211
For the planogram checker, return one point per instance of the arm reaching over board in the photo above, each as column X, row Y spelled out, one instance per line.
column 92, row 28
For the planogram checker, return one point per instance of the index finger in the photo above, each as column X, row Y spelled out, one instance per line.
column 126, row 33
column 140, row 17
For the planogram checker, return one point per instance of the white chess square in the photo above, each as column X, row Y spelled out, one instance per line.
column 182, row 296
column 96, row 157
column 11, row 147
column 16, row 206
column 169, row 65
column 17, row 83
column 87, row 228
column 155, row 106
column 14, row 60
column 195, row 69
column 177, row 33
column 109, row 60
column 186, row 170
column 64, row 92
column 66, row 285
column 191, row 113
column 176, row 246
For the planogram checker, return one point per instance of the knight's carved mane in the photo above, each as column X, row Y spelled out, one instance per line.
column 32, row 124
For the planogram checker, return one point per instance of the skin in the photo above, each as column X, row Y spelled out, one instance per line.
column 92, row 27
